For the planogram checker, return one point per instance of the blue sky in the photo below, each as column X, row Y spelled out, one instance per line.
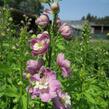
column 75, row 9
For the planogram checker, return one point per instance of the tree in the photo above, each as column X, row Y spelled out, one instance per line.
column 83, row 18
column 29, row 6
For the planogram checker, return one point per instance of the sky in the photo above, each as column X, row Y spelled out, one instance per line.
column 75, row 9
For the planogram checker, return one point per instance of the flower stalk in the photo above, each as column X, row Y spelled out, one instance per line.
column 43, row 81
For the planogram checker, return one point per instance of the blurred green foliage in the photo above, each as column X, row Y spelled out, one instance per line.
column 28, row 6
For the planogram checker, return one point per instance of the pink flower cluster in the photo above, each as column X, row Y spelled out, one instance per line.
column 65, row 30
column 44, row 84
column 33, row 66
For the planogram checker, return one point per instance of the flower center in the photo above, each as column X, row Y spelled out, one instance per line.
column 38, row 45
column 42, row 84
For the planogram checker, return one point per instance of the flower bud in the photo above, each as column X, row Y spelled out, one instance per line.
column 20, row 83
column 28, row 75
column 58, row 22
column 10, row 19
column 55, row 7
column 15, row 100
column 33, row 66
column 33, row 36
column 42, row 20
column 66, row 31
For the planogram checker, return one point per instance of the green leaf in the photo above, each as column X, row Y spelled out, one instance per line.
column 4, row 68
column 24, row 101
column 11, row 91
column 90, row 98
column 1, row 94
column 60, row 47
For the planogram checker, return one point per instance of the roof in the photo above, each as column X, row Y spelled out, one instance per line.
column 78, row 24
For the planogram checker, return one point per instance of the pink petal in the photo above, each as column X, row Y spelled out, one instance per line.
column 45, row 97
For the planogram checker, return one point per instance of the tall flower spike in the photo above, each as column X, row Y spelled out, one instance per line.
column 64, row 65
column 66, row 31
column 40, row 44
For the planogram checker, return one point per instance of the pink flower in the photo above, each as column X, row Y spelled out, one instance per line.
column 57, row 103
column 34, row 66
column 40, row 44
column 42, row 20
column 64, row 65
column 62, row 101
column 46, row 86
column 66, row 31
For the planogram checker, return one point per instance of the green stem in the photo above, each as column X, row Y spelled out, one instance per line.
column 27, row 100
column 50, row 50
column 1, row 48
column 49, row 4
column 53, row 24
column 20, row 93
column 45, row 106
column 21, row 90
column 50, row 54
